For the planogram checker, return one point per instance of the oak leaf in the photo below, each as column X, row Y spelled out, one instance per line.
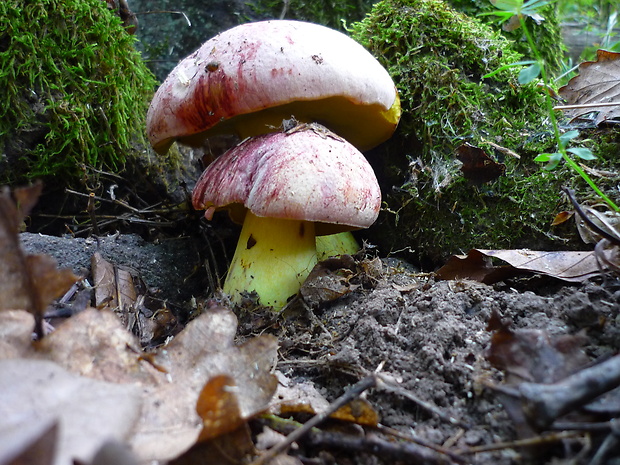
column 27, row 282
column 598, row 82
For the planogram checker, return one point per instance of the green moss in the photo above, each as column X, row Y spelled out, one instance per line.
column 547, row 33
column 329, row 13
column 73, row 87
column 437, row 57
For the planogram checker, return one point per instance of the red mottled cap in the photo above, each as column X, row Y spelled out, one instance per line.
column 307, row 173
column 248, row 79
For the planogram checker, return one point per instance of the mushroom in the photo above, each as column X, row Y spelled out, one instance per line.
column 286, row 187
column 248, row 79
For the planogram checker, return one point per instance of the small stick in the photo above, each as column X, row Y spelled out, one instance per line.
column 544, row 403
column 593, row 226
column 527, row 442
column 428, row 445
column 433, row 410
column 348, row 396
column 586, row 106
column 610, row 444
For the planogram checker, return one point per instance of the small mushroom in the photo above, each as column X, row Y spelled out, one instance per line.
column 248, row 79
column 286, row 187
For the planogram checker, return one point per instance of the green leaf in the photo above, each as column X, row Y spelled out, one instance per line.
column 552, row 160
column 567, row 137
column 531, row 8
column 530, row 73
column 512, row 6
column 583, row 153
column 503, row 15
column 511, row 65
column 508, row 8
column 543, row 157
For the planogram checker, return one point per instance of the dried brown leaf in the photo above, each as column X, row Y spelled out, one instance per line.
column 477, row 265
column 89, row 412
column 203, row 350
column 598, row 82
column 562, row 217
column 230, row 449
column 15, row 333
column 358, row 411
column 35, row 446
column 218, row 407
column 533, row 355
column 329, row 280
column 527, row 357
column 478, row 167
column 607, row 221
column 95, row 343
column 26, row 282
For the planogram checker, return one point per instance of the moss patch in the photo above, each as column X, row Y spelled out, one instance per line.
column 73, row 87
column 326, row 12
column 437, row 57
column 547, row 33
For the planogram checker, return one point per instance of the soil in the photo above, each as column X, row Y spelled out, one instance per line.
column 429, row 338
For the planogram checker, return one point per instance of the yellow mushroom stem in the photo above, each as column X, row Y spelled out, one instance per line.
column 273, row 258
column 335, row 245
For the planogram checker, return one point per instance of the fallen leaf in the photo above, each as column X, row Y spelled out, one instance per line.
column 608, row 221
column 597, row 82
column 33, row 446
column 88, row 411
column 478, row 167
column 562, row 217
column 533, row 355
column 329, row 280
column 218, row 407
column 232, row 448
column 121, row 290
column 15, row 334
column 27, row 282
column 225, row 437
column 95, row 344
column 296, row 396
column 530, row 357
column 203, row 350
column 358, row 411
column 477, row 265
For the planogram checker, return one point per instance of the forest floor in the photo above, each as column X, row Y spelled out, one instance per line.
column 440, row 353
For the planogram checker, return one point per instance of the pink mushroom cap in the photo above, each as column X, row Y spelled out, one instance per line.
column 307, row 173
column 248, row 78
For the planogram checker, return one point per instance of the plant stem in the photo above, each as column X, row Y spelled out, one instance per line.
column 554, row 121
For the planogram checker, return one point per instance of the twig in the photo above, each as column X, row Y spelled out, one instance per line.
column 433, row 410
column 407, row 451
column 544, row 403
column 351, row 394
column 610, row 444
column 596, row 228
column 586, row 106
column 407, row 437
column 527, row 442
column 189, row 23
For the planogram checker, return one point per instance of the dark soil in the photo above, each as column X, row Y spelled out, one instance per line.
column 428, row 338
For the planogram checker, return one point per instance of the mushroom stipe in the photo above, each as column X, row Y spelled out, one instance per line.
column 294, row 185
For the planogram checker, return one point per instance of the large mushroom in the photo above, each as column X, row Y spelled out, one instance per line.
column 248, row 79
column 287, row 187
